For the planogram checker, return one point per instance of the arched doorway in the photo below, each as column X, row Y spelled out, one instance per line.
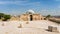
column 31, row 17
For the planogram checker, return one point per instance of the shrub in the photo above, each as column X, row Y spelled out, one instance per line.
column 1, row 15
column 6, row 17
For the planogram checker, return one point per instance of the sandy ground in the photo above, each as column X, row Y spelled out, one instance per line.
column 33, row 27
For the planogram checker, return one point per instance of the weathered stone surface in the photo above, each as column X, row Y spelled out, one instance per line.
column 52, row 29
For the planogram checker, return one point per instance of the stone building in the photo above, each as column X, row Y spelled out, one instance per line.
column 31, row 16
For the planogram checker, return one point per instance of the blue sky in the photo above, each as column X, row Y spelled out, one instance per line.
column 17, row 7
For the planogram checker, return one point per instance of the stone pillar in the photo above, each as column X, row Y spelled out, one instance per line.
column 28, row 17
column 20, row 26
column 3, row 24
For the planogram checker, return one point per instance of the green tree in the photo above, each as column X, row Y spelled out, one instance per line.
column 1, row 15
column 48, row 16
column 6, row 17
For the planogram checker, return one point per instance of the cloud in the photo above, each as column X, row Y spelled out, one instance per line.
column 23, row 3
column 56, row 0
column 31, row 3
column 51, row 12
column 58, row 6
column 11, row 2
column 5, row 2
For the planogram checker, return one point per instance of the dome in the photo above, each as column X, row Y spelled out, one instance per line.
column 30, row 12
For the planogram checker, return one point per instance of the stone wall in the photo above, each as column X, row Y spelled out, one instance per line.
column 26, row 17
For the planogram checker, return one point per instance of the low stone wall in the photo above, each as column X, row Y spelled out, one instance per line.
column 53, row 20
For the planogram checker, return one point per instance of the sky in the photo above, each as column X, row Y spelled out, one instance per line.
column 18, row 7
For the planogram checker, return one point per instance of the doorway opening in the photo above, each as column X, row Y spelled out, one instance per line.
column 31, row 17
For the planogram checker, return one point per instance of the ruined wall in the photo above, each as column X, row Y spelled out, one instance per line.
column 13, row 18
column 24, row 17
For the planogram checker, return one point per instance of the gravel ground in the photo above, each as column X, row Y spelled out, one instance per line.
column 27, row 27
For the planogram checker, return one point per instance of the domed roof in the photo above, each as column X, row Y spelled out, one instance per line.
column 30, row 12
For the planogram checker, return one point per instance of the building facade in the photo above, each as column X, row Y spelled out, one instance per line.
column 29, row 16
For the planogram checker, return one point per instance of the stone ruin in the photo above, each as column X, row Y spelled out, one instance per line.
column 20, row 26
column 52, row 29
